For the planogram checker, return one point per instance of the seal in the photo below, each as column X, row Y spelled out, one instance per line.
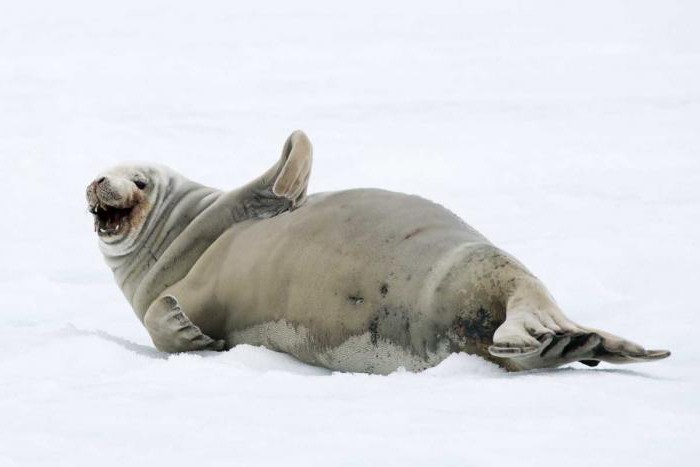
column 361, row 280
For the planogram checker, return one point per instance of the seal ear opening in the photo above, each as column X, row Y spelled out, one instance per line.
column 293, row 176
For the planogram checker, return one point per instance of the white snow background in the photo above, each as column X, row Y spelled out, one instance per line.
column 567, row 132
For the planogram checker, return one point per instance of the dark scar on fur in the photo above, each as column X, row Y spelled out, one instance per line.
column 356, row 299
column 481, row 326
column 384, row 289
column 413, row 233
column 374, row 331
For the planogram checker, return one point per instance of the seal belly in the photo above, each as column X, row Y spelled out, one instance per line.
column 348, row 281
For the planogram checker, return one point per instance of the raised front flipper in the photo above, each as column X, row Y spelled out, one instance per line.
column 172, row 331
column 292, row 179
column 283, row 186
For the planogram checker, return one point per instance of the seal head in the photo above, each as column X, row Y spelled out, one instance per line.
column 119, row 202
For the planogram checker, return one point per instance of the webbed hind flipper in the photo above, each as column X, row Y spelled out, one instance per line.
column 536, row 334
column 587, row 346
column 172, row 331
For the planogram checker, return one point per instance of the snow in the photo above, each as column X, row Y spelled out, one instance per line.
column 566, row 132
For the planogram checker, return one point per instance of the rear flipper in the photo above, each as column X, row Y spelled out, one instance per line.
column 172, row 331
column 589, row 346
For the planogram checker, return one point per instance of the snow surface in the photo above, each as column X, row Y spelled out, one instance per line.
column 567, row 132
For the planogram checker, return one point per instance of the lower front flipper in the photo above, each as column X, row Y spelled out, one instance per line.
column 172, row 331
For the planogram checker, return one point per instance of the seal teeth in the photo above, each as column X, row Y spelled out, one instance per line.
column 109, row 220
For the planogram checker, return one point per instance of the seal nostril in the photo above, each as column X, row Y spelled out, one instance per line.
column 100, row 180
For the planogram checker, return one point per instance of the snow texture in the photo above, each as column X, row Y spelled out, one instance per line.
column 566, row 132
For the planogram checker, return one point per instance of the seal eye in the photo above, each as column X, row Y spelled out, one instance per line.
column 140, row 184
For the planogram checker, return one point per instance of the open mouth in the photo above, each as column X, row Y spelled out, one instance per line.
column 110, row 220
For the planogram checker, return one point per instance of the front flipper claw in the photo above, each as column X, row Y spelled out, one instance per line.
column 172, row 331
